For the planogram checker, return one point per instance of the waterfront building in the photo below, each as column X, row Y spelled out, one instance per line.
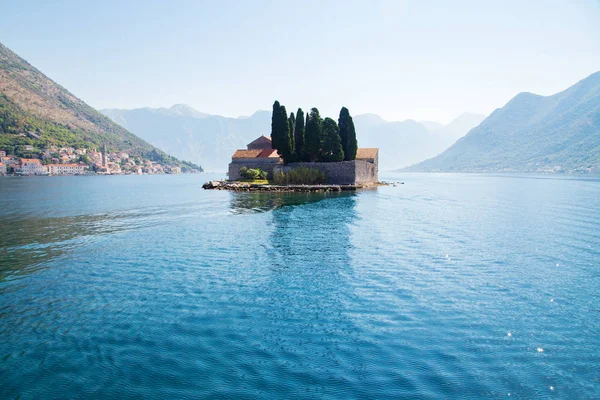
column 368, row 154
column 2, row 168
column 258, row 154
column 32, row 166
column 9, row 160
column 66, row 169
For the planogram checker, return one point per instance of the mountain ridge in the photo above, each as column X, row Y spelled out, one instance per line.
column 214, row 138
column 531, row 133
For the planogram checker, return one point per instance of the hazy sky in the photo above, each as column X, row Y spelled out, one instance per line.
column 427, row 60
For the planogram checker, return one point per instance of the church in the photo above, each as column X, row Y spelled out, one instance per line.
column 260, row 154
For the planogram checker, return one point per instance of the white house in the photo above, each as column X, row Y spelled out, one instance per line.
column 32, row 166
column 66, row 169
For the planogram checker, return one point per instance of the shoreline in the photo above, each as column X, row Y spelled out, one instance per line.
column 237, row 186
column 89, row 174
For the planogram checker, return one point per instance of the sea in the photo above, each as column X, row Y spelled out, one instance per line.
column 436, row 286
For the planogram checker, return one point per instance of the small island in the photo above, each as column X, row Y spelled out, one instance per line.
column 303, row 155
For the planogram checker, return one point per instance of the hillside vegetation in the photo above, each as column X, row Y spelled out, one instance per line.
column 35, row 110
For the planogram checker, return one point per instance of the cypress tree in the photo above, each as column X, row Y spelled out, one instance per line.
column 348, row 135
column 275, row 129
column 285, row 145
column 313, row 136
column 292, row 124
column 299, row 135
column 280, row 132
column 332, row 143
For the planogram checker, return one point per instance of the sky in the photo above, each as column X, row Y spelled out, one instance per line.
column 421, row 59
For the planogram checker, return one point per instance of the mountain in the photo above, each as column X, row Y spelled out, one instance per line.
column 35, row 110
column 192, row 135
column 407, row 142
column 212, row 139
column 532, row 133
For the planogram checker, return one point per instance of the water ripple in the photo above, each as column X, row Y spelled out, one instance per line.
column 407, row 291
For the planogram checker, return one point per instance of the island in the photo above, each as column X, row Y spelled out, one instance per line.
column 312, row 154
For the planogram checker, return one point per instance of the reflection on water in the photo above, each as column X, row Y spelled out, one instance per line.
column 244, row 202
column 27, row 243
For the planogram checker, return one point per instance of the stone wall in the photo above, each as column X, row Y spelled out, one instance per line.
column 267, row 166
column 366, row 172
column 339, row 173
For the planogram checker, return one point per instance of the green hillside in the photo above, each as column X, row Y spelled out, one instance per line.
column 35, row 110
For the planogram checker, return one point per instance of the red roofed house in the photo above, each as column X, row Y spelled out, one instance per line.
column 32, row 166
column 263, row 142
column 259, row 154
column 2, row 168
column 368, row 154
column 8, row 160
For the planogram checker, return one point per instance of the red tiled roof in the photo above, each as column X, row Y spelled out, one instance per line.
column 247, row 153
column 261, row 139
column 366, row 153
column 30, row 161
column 267, row 153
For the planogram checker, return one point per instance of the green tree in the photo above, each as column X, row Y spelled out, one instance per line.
column 313, row 136
column 292, row 124
column 347, row 135
column 280, row 132
column 285, row 149
column 275, row 127
column 299, row 135
column 84, row 158
column 332, row 149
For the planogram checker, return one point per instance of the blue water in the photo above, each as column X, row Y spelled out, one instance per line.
column 447, row 286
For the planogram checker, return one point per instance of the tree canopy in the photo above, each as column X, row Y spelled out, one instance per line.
column 299, row 135
column 280, row 132
column 347, row 135
column 332, row 144
column 312, row 139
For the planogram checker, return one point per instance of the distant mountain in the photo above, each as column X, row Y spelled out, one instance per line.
column 408, row 142
column 532, row 133
column 212, row 139
column 192, row 135
column 32, row 104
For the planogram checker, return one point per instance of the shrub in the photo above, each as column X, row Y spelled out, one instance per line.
column 300, row 176
column 252, row 174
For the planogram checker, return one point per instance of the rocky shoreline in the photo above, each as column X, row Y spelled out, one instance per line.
column 253, row 187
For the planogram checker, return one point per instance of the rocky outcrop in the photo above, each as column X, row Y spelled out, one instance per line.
column 251, row 187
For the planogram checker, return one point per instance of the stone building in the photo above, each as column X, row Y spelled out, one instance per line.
column 368, row 154
column 260, row 154
column 263, row 142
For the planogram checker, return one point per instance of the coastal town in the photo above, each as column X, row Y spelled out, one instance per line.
column 79, row 161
